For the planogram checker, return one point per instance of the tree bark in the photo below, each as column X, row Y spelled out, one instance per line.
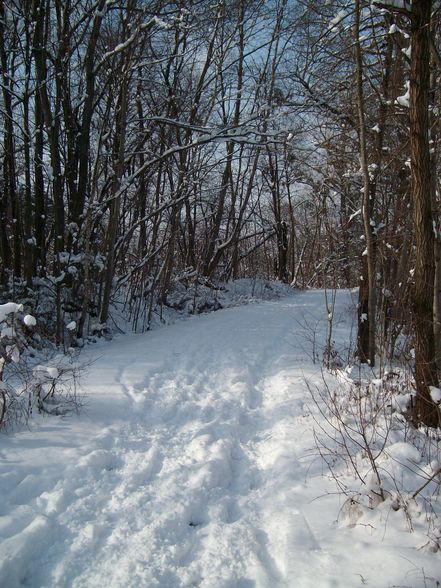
column 119, row 148
column 425, row 411
column 9, row 163
column 366, row 320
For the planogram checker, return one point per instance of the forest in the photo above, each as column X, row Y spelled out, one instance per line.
column 151, row 143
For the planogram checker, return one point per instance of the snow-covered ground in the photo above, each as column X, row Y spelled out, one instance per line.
column 193, row 464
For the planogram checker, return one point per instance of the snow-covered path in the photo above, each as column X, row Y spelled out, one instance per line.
column 192, row 465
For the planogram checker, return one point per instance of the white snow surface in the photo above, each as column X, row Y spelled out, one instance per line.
column 194, row 464
column 9, row 308
column 435, row 393
column 29, row 320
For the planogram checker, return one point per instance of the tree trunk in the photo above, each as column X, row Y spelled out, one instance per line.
column 425, row 411
column 39, row 191
column 50, row 109
column 366, row 322
column 118, row 155
column 9, row 163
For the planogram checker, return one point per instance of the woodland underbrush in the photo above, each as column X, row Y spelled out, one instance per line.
column 63, row 323
column 387, row 471
column 192, row 294
column 36, row 376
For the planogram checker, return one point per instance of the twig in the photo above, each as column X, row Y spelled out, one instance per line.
column 436, row 473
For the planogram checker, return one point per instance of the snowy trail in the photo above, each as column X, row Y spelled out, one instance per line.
column 204, row 436
column 193, row 466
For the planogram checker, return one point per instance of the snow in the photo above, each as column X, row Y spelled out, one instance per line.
column 435, row 393
column 405, row 99
column 194, row 464
column 7, row 332
column 407, row 51
column 13, row 352
column 401, row 4
column 354, row 214
column 44, row 373
column 29, row 320
column 161, row 23
column 338, row 18
column 9, row 308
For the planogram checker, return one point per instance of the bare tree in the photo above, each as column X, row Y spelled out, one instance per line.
column 421, row 191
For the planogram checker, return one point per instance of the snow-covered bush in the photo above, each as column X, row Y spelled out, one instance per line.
column 378, row 460
column 54, row 388
column 24, row 385
column 12, row 342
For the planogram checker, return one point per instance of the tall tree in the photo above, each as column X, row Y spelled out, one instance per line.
column 367, row 306
column 421, row 192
